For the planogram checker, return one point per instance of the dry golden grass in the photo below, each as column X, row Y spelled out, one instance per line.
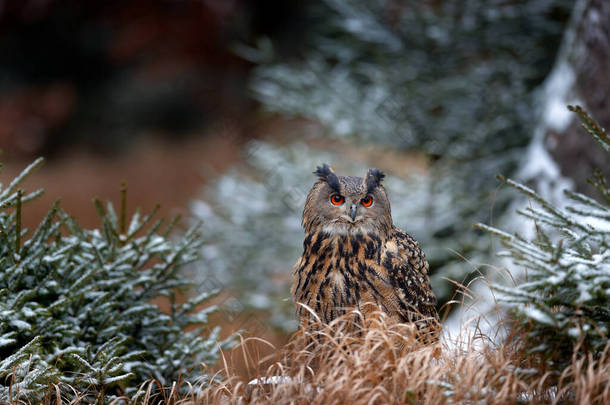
column 384, row 363
column 332, row 366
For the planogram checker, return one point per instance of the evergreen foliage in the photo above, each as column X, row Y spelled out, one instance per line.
column 76, row 305
column 452, row 80
column 563, row 300
column 441, row 77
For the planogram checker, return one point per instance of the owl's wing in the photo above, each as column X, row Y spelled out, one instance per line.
column 406, row 271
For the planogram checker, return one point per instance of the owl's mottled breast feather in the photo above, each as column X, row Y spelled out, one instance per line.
column 338, row 272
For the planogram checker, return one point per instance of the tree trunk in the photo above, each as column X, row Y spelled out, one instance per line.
column 581, row 76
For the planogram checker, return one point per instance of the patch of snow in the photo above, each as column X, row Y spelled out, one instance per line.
column 201, row 209
column 283, row 379
column 274, row 379
column 539, row 161
column 473, row 320
column 260, row 301
column 594, row 17
column 6, row 341
column 28, row 312
column 574, row 332
column 600, row 224
column 557, row 279
column 527, row 397
column 21, row 325
column 601, row 257
column 538, row 315
column 556, row 95
column 584, row 295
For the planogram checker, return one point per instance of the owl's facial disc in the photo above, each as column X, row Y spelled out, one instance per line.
column 347, row 204
column 352, row 215
column 348, row 210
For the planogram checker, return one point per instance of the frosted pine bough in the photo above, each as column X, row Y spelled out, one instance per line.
column 394, row 72
column 76, row 311
column 563, row 301
column 390, row 74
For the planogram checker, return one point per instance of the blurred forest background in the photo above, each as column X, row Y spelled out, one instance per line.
column 221, row 109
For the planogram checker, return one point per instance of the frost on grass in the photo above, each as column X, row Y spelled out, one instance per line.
column 76, row 311
column 562, row 298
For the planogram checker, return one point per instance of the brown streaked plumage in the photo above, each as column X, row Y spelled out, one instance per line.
column 354, row 255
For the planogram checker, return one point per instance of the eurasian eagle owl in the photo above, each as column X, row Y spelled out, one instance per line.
column 353, row 254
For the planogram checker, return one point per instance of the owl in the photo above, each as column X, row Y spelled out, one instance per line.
column 353, row 255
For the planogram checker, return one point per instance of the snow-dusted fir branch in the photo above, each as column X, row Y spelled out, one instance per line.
column 563, row 301
column 391, row 74
column 394, row 72
column 75, row 306
column 593, row 128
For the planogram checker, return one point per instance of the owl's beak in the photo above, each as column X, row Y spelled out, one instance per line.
column 352, row 211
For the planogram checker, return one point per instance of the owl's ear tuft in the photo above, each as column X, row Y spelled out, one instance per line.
column 373, row 179
column 326, row 173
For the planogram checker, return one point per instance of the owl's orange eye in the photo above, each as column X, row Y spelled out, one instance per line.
column 367, row 201
column 337, row 199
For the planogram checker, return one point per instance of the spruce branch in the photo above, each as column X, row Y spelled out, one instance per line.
column 563, row 305
column 21, row 178
column 75, row 311
column 592, row 127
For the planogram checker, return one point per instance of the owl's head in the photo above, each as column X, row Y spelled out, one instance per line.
column 347, row 204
